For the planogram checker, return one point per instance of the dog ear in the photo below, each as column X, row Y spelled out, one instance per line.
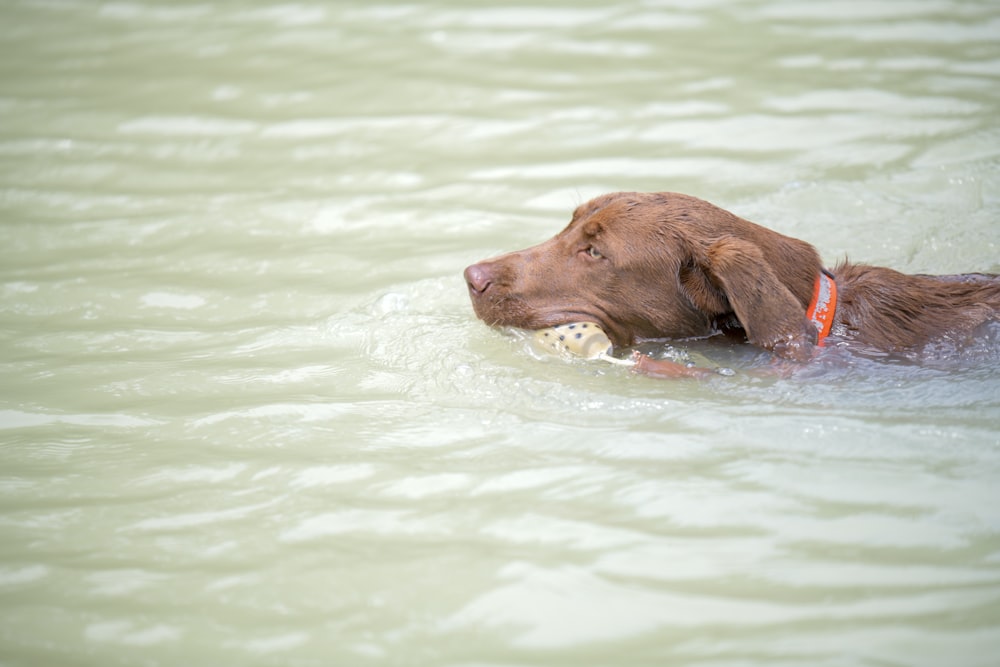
column 732, row 275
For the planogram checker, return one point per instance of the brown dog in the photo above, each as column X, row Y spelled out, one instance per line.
column 671, row 266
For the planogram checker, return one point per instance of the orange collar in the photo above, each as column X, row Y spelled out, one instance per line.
column 824, row 305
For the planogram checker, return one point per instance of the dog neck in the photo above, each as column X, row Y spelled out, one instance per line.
column 824, row 305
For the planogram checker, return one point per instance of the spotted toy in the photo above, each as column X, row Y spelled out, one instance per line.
column 581, row 339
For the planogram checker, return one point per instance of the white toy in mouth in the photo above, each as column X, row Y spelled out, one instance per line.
column 579, row 339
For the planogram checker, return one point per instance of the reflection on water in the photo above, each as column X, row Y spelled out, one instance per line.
column 247, row 412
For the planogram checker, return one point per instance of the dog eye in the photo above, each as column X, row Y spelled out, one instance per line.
column 594, row 252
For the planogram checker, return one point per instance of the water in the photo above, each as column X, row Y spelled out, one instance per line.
column 248, row 416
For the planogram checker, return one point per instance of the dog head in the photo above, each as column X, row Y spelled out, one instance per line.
column 652, row 266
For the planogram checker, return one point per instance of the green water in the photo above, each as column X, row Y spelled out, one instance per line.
column 248, row 417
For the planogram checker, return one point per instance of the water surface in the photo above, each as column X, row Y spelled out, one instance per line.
column 248, row 417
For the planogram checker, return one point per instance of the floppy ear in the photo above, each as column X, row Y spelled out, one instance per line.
column 732, row 275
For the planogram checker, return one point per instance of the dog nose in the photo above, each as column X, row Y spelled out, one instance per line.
column 478, row 277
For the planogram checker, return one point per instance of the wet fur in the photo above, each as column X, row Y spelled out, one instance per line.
column 666, row 265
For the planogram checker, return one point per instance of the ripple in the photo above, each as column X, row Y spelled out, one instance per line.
column 16, row 576
column 187, row 126
column 130, row 633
